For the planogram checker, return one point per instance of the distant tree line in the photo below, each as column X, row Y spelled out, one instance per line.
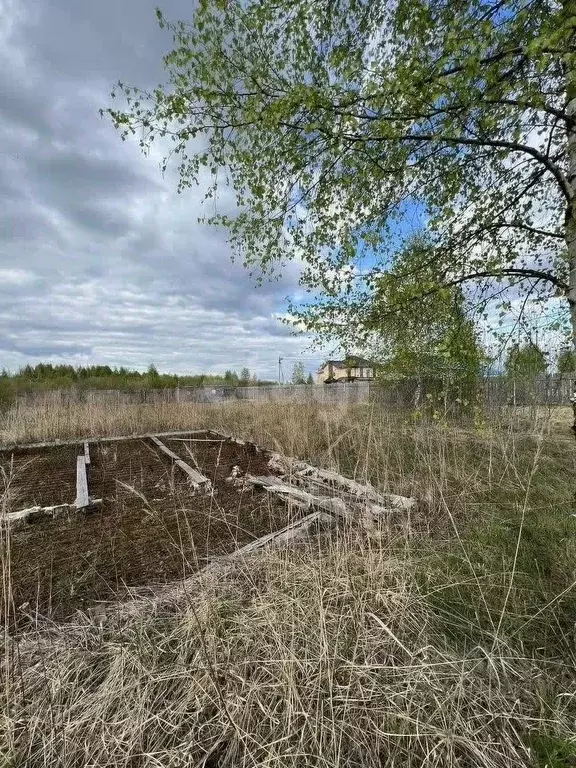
column 46, row 376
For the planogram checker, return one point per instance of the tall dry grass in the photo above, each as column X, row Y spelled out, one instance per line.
column 445, row 641
column 286, row 423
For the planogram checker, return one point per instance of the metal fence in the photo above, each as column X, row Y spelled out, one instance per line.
column 541, row 390
column 493, row 391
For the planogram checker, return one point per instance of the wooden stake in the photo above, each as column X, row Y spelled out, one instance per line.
column 82, row 498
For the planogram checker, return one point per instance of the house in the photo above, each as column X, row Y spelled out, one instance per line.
column 353, row 368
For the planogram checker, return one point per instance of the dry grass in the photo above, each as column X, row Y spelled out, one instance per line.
column 448, row 642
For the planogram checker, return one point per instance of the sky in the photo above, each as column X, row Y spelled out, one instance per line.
column 101, row 261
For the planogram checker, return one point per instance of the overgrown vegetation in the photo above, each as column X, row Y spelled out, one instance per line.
column 442, row 640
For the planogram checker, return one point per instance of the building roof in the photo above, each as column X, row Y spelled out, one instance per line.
column 354, row 361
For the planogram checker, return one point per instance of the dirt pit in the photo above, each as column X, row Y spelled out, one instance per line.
column 150, row 528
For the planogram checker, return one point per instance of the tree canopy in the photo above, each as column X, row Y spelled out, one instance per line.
column 525, row 361
column 335, row 122
column 413, row 327
column 440, row 342
column 566, row 361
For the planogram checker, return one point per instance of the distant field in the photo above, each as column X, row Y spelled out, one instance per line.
column 443, row 642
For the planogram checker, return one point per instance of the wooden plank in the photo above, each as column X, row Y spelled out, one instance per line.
column 294, row 530
column 80, row 441
column 82, row 498
column 292, row 494
column 198, row 480
column 24, row 517
column 264, row 481
column 298, row 529
column 199, row 439
column 329, row 480
column 165, row 449
column 86, row 454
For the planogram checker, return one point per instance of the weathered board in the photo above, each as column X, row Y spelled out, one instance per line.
column 197, row 480
column 82, row 498
column 97, row 440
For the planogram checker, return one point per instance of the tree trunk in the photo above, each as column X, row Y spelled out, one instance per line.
column 569, row 9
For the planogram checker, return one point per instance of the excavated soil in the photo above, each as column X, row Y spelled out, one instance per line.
column 149, row 530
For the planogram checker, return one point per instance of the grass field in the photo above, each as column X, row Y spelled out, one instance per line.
column 446, row 641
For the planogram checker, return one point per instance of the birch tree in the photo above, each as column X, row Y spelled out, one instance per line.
column 335, row 122
column 298, row 373
column 525, row 361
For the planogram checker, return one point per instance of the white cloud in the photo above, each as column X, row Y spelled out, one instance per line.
column 11, row 277
column 101, row 260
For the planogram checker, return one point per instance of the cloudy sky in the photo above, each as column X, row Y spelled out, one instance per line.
column 100, row 260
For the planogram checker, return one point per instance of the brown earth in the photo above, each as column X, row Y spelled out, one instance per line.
column 149, row 530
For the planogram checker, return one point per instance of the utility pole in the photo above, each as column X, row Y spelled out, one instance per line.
column 280, row 370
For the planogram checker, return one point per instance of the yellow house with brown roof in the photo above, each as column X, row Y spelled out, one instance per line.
column 353, row 368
